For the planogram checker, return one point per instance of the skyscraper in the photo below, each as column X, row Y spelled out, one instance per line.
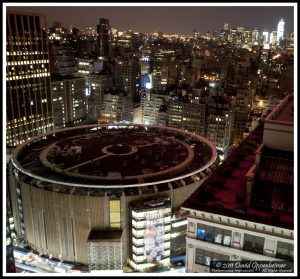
column 266, row 37
column 28, row 95
column 280, row 30
column 103, row 30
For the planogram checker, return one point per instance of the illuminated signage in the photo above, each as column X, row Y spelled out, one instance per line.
column 154, row 238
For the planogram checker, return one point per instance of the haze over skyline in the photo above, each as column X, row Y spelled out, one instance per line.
column 170, row 19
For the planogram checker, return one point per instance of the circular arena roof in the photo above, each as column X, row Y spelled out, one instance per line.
column 114, row 156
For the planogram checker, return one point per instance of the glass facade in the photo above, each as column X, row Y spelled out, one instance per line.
column 214, row 234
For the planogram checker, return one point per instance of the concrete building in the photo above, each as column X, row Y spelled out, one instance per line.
column 85, row 66
column 131, row 77
column 69, row 100
column 28, row 95
column 62, row 60
column 241, row 110
column 116, row 107
column 96, row 86
column 220, row 130
column 245, row 210
column 186, row 115
column 151, row 104
column 66, row 194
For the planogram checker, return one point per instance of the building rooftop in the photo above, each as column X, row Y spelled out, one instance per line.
column 271, row 201
column 114, row 156
column 284, row 111
column 151, row 203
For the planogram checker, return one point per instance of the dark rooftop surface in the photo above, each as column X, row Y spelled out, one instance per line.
column 100, row 236
column 115, row 155
column 224, row 192
column 284, row 111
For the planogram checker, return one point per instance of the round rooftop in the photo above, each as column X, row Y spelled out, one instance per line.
column 118, row 155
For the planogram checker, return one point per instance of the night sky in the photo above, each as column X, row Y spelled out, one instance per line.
column 170, row 20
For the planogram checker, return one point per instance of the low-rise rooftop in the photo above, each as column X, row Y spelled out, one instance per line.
column 225, row 191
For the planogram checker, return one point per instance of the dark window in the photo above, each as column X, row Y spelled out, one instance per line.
column 19, row 24
column 253, row 243
column 285, row 251
column 12, row 24
column 31, row 23
column 25, row 22
column 204, row 257
column 37, row 23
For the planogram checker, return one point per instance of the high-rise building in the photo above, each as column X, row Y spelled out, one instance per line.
column 116, row 107
column 186, row 115
column 104, row 42
column 255, row 34
column 266, row 37
column 280, row 30
column 69, row 100
column 28, row 95
column 95, row 87
column 220, row 129
column 131, row 77
column 62, row 60
column 151, row 104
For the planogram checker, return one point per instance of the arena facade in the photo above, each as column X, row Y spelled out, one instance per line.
column 82, row 192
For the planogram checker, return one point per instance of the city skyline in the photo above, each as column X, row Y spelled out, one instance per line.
column 200, row 18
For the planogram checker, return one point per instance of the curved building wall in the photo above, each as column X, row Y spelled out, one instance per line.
column 60, row 224
column 57, row 218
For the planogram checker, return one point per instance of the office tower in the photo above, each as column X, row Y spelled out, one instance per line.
column 280, row 30
column 244, row 211
column 104, row 41
column 69, row 100
column 28, row 95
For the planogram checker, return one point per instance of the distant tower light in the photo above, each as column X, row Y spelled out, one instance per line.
column 280, row 30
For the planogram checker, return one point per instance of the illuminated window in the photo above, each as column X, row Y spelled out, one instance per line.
column 114, row 213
